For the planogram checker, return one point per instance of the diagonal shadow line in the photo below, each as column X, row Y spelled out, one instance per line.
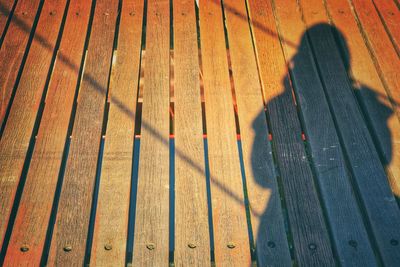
column 99, row 88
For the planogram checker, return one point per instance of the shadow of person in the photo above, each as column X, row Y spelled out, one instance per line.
column 285, row 116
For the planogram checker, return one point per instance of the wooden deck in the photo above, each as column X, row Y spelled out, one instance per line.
column 233, row 133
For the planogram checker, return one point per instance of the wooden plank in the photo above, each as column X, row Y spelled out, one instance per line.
column 371, row 182
column 191, row 212
column 151, row 242
column 375, row 101
column 70, row 232
column 111, row 225
column 390, row 15
column 261, row 178
column 348, row 232
column 13, row 49
column 227, row 200
column 36, row 202
column 5, row 11
column 18, row 130
column 382, row 48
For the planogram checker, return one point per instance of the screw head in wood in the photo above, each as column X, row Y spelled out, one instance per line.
column 353, row 243
column 150, row 246
column 191, row 245
column 67, row 248
column 108, row 247
column 312, row 246
column 394, row 242
column 271, row 244
column 24, row 248
column 231, row 245
column 52, row 13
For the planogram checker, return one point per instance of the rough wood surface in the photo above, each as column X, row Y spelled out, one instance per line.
column 379, row 42
column 390, row 15
column 191, row 211
column 266, row 211
column 70, row 229
column 13, row 49
column 151, row 237
column 5, row 11
column 18, row 131
column 227, row 200
column 367, row 170
column 34, row 211
column 111, row 225
column 376, row 103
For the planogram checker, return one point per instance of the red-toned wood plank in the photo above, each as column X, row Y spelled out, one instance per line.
column 151, row 237
column 5, row 10
column 390, row 15
column 191, row 212
column 13, row 48
column 382, row 48
column 69, row 238
column 37, row 198
column 231, row 241
column 264, row 199
column 18, row 130
column 111, row 225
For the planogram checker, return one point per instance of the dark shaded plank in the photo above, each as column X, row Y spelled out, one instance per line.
column 191, row 211
column 151, row 242
column 227, row 200
column 13, row 48
column 112, row 213
column 390, row 15
column 37, row 198
column 348, row 232
column 375, row 102
column 5, row 10
column 371, row 182
column 18, row 130
column 266, row 211
column 382, row 48
column 73, row 215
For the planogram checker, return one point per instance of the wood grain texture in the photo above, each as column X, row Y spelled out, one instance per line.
column 36, row 202
column 227, row 200
column 266, row 211
column 390, row 15
column 5, row 11
column 152, row 207
column 382, row 48
column 369, row 176
column 347, row 228
column 381, row 114
column 13, row 49
column 111, row 225
column 17, row 133
column 74, row 207
column 191, row 211
column 310, row 237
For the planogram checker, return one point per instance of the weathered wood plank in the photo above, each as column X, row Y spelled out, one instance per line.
column 36, row 202
column 385, row 55
column 309, row 232
column 375, row 101
column 348, row 232
column 69, row 238
column 49, row 145
column 390, row 15
column 266, row 211
column 13, row 49
column 151, row 242
column 5, row 11
column 369, row 176
column 228, row 210
column 111, row 225
column 191, row 212
column 18, row 130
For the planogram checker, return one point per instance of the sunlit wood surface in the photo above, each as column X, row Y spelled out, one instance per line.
column 200, row 133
